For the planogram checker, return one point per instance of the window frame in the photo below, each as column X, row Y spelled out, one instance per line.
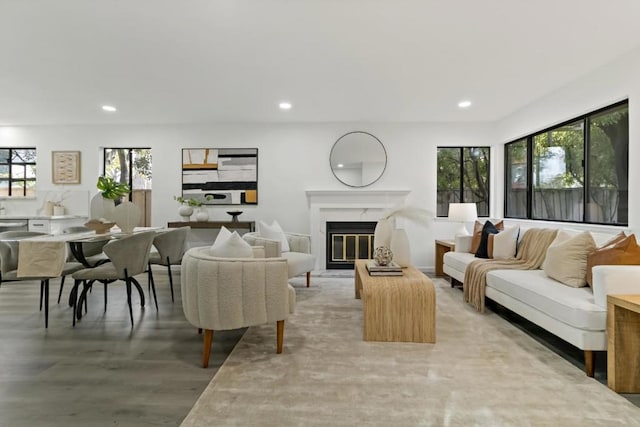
column 461, row 171
column 586, row 122
column 129, row 162
column 10, row 164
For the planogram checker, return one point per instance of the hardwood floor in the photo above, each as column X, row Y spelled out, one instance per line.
column 102, row 372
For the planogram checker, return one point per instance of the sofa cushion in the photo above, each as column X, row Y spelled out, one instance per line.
column 458, row 260
column 503, row 245
column 222, row 237
column 623, row 252
column 573, row 306
column 566, row 259
column 477, row 233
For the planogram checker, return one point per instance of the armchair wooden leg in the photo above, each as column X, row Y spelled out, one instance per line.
column 206, row 347
column 280, row 338
column 589, row 365
column 308, row 278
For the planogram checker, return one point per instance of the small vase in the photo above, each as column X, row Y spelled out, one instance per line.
column 400, row 247
column 202, row 215
column 126, row 216
column 185, row 212
column 382, row 233
column 101, row 207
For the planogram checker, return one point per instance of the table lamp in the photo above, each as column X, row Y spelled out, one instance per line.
column 462, row 212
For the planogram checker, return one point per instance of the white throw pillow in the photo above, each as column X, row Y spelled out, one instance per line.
column 233, row 247
column 222, row 237
column 505, row 243
column 566, row 258
column 273, row 232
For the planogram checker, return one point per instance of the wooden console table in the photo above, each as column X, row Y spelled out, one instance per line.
column 396, row 308
column 233, row 225
column 442, row 247
column 623, row 347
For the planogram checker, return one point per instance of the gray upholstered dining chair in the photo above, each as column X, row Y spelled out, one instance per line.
column 129, row 257
column 92, row 252
column 9, row 256
column 171, row 246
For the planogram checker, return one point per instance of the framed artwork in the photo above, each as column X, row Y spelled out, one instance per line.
column 65, row 167
column 228, row 175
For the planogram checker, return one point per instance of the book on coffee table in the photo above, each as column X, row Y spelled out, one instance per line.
column 391, row 269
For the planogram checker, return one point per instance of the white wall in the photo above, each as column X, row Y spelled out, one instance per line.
column 599, row 88
column 292, row 158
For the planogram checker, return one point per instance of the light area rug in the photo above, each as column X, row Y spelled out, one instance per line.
column 482, row 371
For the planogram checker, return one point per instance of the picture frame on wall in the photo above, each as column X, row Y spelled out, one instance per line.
column 65, row 167
column 228, row 175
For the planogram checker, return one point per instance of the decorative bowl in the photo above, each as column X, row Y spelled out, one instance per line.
column 234, row 215
column 99, row 227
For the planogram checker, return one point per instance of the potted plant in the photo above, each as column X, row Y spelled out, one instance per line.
column 111, row 189
column 103, row 203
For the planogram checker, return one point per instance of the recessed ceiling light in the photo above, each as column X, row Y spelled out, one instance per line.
column 464, row 104
column 109, row 108
column 285, row 105
column 340, row 165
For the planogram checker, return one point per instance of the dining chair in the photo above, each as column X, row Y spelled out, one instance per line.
column 171, row 246
column 9, row 266
column 92, row 252
column 129, row 257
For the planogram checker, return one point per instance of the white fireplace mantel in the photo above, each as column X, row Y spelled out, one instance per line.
column 346, row 205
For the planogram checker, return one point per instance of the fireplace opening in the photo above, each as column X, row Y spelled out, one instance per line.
column 348, row 241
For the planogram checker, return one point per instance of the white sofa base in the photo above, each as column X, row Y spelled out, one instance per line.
column 581, row 338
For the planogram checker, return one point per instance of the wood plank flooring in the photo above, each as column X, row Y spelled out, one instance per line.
column 102, row 372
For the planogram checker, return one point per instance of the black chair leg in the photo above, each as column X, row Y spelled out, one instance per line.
column 74, row 295
column 128, row 282
column 61, row 287
column 105, row 297
column 170, row 278
column 41, row 293
column 149, row 276
column 46, row 302
column 155, row 298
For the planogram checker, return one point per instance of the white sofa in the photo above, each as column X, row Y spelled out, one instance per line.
column 577, row 315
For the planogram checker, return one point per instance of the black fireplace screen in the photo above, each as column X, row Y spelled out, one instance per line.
column 348, row 241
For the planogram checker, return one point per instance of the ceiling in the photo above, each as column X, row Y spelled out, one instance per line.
column 202, row 61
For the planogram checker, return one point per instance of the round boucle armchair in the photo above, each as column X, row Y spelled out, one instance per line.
column 231, row 293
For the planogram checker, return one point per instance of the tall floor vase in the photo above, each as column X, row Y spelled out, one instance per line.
column 400, row 247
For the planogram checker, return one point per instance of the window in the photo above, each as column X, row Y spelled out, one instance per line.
column 132, row 166
column 463, row 177
column 549, row 175
column 18, row 172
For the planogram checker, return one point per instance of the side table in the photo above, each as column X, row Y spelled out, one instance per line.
column 442, row 247
column 623, row 347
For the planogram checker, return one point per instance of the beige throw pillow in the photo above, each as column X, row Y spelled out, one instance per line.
column 222, row 237
column 233, row 247
column 503, row 245
column 274, row 232
column 566, row 258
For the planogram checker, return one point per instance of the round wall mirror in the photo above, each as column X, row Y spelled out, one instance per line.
column 358, row 159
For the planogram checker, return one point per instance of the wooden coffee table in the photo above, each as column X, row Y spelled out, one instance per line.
column 397, row 308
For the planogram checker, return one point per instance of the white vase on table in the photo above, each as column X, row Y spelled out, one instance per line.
column 126, row 216
column 400, row 247
column 185, row 212
column 202, row 215
column 382, row 233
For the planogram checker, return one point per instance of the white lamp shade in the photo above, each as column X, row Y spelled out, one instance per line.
column 462, row 212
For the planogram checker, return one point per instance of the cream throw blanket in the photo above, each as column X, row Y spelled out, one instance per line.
column 531, row 253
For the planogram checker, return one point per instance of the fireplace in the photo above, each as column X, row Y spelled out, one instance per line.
column 348, row 241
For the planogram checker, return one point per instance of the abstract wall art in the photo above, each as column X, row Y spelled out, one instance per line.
column 228, row 175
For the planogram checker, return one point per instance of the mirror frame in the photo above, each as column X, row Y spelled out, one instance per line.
column 384, row 150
